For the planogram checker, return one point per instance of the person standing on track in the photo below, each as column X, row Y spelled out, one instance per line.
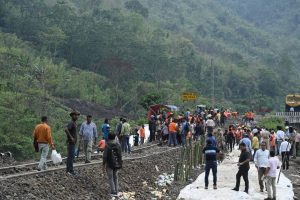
column 210, row 152
column 152, row 128
column 71, row 132
column 43, row 137
column 142, row 134
column 244, row 167
column 125, row 132
column 261, row 163
column 87, row 132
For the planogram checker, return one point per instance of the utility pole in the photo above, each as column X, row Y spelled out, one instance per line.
column 213, row 84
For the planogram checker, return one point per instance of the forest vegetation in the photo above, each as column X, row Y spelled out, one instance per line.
column 121, row 53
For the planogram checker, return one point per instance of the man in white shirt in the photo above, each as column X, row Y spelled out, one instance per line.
column 261, row 159
column 279, row 138
column 270, row 174
column 284, row 150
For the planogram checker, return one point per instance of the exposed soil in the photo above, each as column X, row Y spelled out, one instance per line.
column 6, row 161
column 136, row 178
column 97, row 110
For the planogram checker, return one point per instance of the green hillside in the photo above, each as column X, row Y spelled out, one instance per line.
column 281, row 19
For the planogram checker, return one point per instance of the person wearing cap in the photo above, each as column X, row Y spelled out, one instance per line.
column 87, row 132
column 71, row 132
column 43, row 137
column 279, row 138
column 284, row 151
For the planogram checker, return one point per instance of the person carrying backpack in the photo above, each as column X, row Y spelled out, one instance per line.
column 112, row 162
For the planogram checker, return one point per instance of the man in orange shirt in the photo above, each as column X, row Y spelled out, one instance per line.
column 172, row 133
column 142, row 134
column 42, row 135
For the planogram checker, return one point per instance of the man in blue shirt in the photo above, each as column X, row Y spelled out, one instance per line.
column 210, row 152
column 105, row 130
column 247, row 142
column 87, row 132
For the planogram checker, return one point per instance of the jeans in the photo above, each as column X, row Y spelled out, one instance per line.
column 242, row 173
column 71, row 156
column 44, row 149
column 87, row 148
column 285, row 156
column 261, row 172
column 112, row 175
column 125, row 143
column 172, row 139
column 271, row 187
column 278, row 144
column 213, row 166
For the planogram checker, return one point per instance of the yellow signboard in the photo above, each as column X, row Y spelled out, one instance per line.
column 189, row 96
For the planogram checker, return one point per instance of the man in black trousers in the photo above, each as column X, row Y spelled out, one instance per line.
column 244, row 167
column 210, row 152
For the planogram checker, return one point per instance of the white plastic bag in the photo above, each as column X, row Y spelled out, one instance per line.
column 56, row 157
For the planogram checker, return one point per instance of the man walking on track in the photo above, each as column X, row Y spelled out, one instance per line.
column 244, row 167
column 43, row 138
column 210, row 152
column 87, row 132
column 112, row 162
column 71, row 131
column 261, row 160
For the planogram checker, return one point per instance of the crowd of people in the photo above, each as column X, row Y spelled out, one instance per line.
column 257, row 144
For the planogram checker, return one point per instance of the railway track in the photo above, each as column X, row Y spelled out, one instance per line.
column 31, row 168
